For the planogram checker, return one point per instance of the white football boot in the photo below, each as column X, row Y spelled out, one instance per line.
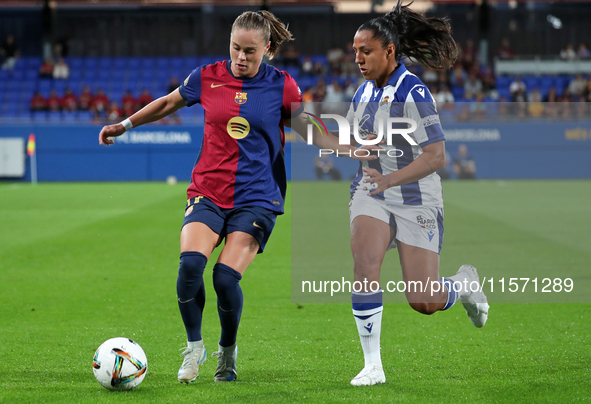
column 369, row 376
column 195, row 354
column 475, row 303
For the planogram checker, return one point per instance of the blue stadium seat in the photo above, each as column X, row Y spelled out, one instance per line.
column 176, row 62
column 54, row 117
column 69, row 117
column 133, row 63
column 531, row 82
column 18, row 75
column 90, row 75
column 504, row 81
column 162, row 63
column 193, row 62
column 84, row 116
column 60, row 86
column 293, row 71
column 91, row 63
column 39, row 115
column 319, row 58
column 31, row 75
column 504, row 92
column 75, row 75
column 148, row 63
column 75, row 63
column 561, row 82
column 106, row 63
column 119, row 63
column 458, row 93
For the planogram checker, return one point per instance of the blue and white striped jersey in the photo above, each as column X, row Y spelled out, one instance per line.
column 404, row 96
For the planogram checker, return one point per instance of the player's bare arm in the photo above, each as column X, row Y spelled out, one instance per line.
column 431, row 160
column 152, row 112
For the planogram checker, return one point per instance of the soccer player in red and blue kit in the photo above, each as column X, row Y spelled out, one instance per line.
column 238, row 182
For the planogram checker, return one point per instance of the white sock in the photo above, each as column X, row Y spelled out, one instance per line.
column 462, row 278
column 369, row 333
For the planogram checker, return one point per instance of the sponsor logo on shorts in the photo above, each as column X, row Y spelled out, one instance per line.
column 426, row 223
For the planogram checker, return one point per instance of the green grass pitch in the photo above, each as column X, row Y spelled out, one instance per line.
column 81, row 263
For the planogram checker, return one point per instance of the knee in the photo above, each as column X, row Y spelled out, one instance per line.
column 424, row 307
column 367, row 268
column 192, row 265
column 225, row 278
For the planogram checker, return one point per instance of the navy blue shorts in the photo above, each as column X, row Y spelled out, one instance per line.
column 254, row 220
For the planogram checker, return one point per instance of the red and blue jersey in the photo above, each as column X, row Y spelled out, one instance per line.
column 242, row 159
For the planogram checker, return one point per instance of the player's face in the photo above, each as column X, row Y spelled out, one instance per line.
column 375, row 62
column 247, row 50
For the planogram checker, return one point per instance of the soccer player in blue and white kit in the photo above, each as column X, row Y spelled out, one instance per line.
column 238, row 182
column 397, row 201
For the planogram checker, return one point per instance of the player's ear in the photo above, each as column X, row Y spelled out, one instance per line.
column 390, row 51
column 267, row 47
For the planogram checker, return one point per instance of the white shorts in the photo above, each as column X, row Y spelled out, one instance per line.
column 419, row 226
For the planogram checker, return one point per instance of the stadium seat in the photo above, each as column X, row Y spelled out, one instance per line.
column 54, row 117
column 106, row 63
column 39, row 116
column 531, row 82
column 162, row 63
column 75, row 62
column 458, row 93
column 69, row 117
column 91, row 63
column 133, row 63
column 148, row 63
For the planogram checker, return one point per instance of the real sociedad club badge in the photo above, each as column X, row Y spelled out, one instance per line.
column 240, row 98
column 384, row 104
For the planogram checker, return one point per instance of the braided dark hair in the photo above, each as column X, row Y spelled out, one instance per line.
column 270, row 26
column 426, row 40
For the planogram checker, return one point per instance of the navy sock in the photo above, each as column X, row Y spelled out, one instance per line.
column 191, row 292
column 230, row 299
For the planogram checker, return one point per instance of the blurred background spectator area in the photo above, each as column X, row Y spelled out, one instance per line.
column 135, row 50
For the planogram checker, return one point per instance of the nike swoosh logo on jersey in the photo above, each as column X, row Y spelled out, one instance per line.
column 256, row 225
column 216, row 85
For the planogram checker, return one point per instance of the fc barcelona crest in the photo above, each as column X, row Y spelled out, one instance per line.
column 240, row 98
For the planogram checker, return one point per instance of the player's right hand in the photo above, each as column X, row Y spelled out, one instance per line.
column 109, row 132
column 367, row 153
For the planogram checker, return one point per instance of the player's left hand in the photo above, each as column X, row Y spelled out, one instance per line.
column 375, row 181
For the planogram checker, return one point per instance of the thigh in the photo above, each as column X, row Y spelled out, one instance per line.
column 199, row 237
column 248, row 229
column 239, row 251
column 420, row 268
column 370, row 238
column 203, row 226
column 256, row 221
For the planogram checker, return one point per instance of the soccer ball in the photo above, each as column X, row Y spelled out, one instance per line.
column 119, row 364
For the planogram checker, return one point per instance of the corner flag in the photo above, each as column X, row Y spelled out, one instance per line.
column 31, row 145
